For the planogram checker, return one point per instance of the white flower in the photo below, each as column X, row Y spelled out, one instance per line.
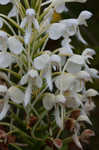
column 33, row 79
column 58, row 118
column 89, row 106
column 74, row 64
column 5, row 109
column 58, row 3
column 73, row 100
column 13, row 93
column 69, row 27
column 84, row 15
column 61, row 8
column 5, row 106
column 15, row 45
column 64, row 81
column 4, row 2
column 84, row 117
column 44, row 63
column 76, row 141
column 60, row 99
column 16, row 95
column 5, row 59
column 27, row 24
column 84, row 76
column 56, row 31
column 49, row 101
column 88, row 53
column 64, row 28
column 41, row 61
column 93, row 72
column 65, row 51
column 3, row 89
column 28, row 93
column 91, row 93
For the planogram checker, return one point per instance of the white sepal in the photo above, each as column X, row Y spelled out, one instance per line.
column 58, row 118
column 27, row 96
column 56, row 31
column 13, row 11
column 60, row 99
column 80, row 38
column 76, row 141
column 4, row 110
column 91, row 92
column 84, row 15
column 24, row 79
column 36, row 24
column 16, row 95
column 64, row 81
column 5, row 59
column 41, row 61
column 85, row 118
column 32, row 73
column 15, row 45
column 4, row 2
column 61, row 8
column 74, row 64
column 49, row 101
column 3, row 89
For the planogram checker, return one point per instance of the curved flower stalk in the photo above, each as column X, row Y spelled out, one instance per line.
column 45, row 89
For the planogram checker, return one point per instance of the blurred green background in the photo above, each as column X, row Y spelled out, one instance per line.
column 91, row 34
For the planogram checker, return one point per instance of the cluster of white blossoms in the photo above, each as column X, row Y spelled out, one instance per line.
column 60, row 75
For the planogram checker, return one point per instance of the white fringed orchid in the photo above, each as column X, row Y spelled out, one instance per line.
column 69, row 27
column 6, row 59
column 27, row 23
column 50, row 101
column 13, row 93
column 45, row 63
column 76, row 62
column 15, row 45
column 33, row 79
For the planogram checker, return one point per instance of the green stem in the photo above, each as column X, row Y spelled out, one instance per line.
column 12, row 21
column 12, row 72
column 26, row 4
column 35, row 126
